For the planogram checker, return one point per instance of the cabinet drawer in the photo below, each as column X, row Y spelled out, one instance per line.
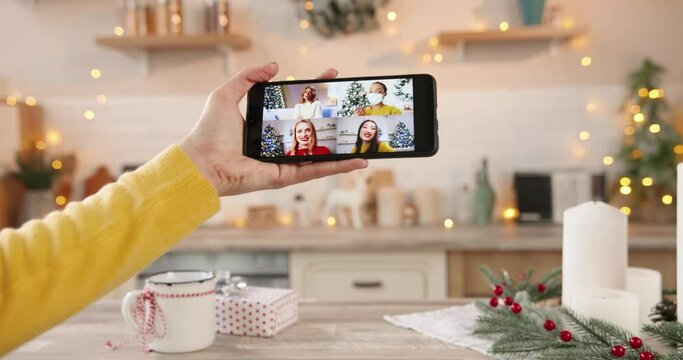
column 369, row 277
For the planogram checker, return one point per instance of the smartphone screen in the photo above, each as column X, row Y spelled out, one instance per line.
column 332, row 119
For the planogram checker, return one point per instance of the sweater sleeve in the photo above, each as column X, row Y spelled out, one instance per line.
column 52, row 268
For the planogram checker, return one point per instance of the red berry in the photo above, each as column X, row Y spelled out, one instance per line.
column 516, row 308
column 565, row 336
column 522, row 276
column 646, row 355
column 540, row 287
column 508, row 301
column 493, row 301
column 635, row 342
column 618, row 351
column 549, row 325
column 498, row 290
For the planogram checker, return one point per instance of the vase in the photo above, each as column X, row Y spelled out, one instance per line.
column 532, row 11
column 483, row 197
column 36, row 204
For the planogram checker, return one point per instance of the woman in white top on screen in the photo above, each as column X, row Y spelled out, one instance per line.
column 308, row 107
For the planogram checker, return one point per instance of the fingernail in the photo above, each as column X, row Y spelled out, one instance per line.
column 273, row 63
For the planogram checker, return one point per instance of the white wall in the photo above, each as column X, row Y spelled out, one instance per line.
column 513, row 103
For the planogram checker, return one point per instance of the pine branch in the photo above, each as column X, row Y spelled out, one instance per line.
column 676, row 355
column 582, row 352
column 670, row 333
column 490, row 277
column 582, row 326
column 551, row 275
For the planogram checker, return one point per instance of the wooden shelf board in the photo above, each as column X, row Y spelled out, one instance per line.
column 186, row 41
column 530, row 33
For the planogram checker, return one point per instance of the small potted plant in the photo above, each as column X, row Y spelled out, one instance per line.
column 36, row 175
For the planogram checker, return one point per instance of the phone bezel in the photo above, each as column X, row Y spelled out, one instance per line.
column 425, row 126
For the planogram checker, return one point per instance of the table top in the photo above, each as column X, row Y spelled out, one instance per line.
column 507, row 237
column 324, row 331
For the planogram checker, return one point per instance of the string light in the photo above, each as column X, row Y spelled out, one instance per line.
column 331, row 221
column 101, row 98
column 303, row 50
column 655, row 93
column 647, row 181
column 678, row 149
column 438, row 57
column 290, row 77
column 96, row 73
column 240, row 222
column 510, row 214
column 504, row 26
column 634, row 108
column 636, row 154
column 608, row 160
column 57, row 164
column 391, row 16
column 40, row 145
column 643, row 92
column 629, row 130
column 448, row 223
column 626, row 210
column 639, row 117
column 53, row 137
column 11, row 100
column 568, row 24
column 433, row 41
column 584, row 135
column 586, row 61
column 667, row 199
column 303, row 24
column 60, row 200
column 591, row 107
column 427, row 58
column 625, row 181
column 625, row 190
column 286, row 220
column 655, row 128
column 30, row 101
column 309, row 6
column 118, row 31
column 89, row 114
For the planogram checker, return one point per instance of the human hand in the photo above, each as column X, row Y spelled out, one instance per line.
column 360, row 111
column 215, row 143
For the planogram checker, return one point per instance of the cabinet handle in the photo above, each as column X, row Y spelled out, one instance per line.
column 367, row 284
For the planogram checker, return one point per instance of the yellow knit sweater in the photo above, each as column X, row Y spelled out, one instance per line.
column 52, row 268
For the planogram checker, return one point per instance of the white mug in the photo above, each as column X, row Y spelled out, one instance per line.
column 175, row 312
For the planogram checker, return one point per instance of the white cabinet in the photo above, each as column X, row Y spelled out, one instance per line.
column 381, row 276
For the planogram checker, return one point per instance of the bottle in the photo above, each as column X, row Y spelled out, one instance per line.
column 132, row 26
column 222, row 281
column 483, row 197
column 161, row 15
column 223, row 23
column 210, row 16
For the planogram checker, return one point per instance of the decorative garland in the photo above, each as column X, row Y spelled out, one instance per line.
column 523, row 329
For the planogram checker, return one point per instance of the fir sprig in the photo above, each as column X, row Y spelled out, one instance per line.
column 550, row 281
column 667, row 332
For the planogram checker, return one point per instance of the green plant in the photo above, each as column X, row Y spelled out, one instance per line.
column 33, row 171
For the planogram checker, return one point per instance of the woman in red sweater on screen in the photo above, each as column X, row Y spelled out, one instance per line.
column 305, row 140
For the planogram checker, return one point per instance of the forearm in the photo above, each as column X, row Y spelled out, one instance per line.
column 50, row 269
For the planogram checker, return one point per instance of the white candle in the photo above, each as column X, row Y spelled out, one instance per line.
column 426, row 200
column 615, row 306
column 646, row 284
column 679, row 239
column 389, row 206
column 594, row 249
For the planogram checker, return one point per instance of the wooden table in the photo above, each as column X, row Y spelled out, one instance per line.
column 324, row 331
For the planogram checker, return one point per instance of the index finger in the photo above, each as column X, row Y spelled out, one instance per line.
column 330, row 73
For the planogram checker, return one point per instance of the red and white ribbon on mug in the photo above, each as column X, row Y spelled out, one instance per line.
column 146, row 322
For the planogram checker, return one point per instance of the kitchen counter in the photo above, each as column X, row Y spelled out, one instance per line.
column 324, row 331
column 460, row 238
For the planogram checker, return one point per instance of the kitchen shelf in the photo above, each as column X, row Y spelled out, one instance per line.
column 144, row 45
column 348, row 134
column 325, row 129
column 553, row 35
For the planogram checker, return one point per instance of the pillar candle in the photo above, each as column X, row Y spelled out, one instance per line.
column 594, row 249
column 427, row 202
column 615, row 306
column 389, row 206
column 679, row 238
column 646, row 284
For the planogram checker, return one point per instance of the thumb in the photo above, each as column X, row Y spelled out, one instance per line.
column 238, row 86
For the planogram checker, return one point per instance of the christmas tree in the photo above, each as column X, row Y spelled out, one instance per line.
column 274, row 98
column 400, row 93
column 650, row 148
column 355, row 97
column 402, row 137
column 270, row 143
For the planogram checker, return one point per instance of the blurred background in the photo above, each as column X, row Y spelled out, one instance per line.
column 542, row 105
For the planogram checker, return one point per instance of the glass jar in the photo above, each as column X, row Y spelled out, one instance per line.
column 175, row 11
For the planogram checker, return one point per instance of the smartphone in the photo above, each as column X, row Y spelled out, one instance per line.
column 333, row 119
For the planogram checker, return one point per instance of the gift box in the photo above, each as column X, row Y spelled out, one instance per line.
column 256, row 311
